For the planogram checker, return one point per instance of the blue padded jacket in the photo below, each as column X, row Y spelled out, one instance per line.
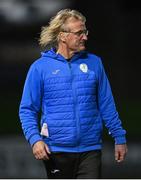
column 75, row 100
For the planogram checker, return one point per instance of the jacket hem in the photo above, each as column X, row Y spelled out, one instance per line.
column 75, row 149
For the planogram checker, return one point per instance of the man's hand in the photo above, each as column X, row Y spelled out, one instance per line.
column 120, row 152
column 41, row 150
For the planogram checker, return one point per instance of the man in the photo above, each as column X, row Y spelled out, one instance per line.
column 70, row 87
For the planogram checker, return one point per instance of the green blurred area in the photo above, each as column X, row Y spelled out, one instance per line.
column 10, row 123
column 129, row 112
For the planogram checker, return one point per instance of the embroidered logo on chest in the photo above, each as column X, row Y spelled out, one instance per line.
column 84, row 67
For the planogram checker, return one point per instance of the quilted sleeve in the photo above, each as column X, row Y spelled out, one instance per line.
column 30, row 105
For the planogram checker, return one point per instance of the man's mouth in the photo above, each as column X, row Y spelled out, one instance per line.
column 82, row 43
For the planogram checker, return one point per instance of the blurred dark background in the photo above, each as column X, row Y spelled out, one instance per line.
column 114, row 35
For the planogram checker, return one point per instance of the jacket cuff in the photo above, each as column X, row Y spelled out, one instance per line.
column 33, row 139
column 120, row 140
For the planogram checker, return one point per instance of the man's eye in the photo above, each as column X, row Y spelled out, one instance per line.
column 79, row 33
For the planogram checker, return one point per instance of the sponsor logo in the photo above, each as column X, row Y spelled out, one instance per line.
column 56, row 71
column 55, row 171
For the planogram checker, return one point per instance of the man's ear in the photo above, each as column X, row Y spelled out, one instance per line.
column 62, row 36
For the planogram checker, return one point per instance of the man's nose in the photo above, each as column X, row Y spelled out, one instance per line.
column 85, row 37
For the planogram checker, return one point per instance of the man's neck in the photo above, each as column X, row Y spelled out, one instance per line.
column 66, row 55
column 65, row 52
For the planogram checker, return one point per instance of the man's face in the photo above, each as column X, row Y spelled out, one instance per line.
column 76, row 36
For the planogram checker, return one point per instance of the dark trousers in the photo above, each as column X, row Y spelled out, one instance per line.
column 85, row 165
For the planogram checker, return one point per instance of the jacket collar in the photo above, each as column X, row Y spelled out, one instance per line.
column 52, row 54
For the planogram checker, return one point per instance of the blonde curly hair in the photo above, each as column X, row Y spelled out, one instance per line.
column 49, row 34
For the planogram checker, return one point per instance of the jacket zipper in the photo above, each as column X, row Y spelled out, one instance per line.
column 75, row 104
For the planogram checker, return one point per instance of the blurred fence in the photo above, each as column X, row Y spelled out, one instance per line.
column 17, row 161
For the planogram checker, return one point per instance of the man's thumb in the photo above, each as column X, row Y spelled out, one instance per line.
column 47, row 149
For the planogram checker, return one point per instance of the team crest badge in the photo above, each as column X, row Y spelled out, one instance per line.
column 84, row 68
